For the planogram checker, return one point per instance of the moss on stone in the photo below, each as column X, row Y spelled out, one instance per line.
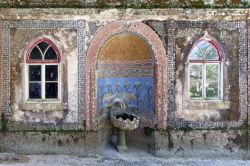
column 122, row 4
column 4, row 123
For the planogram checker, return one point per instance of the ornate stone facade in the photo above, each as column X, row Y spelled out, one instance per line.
column 160, row 60
column 82, row 33
column 241, row 28
column 43, row 24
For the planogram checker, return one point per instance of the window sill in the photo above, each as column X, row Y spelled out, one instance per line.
column 206, row 105
column 34, row 101
column 206, row 100
column 43, row 105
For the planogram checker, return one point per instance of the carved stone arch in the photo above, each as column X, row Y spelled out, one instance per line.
column 161, row 75
column 51, row 43
column 27, row 46
column 214, row 39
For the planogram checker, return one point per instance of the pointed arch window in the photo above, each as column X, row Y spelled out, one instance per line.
column 205, row 70
column 43, row 60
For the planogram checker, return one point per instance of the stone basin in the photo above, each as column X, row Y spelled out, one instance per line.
column 125, row 121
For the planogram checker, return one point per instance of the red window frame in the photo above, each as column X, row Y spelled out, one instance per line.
column 35, row 43
column 215, row 44
column 220, row 55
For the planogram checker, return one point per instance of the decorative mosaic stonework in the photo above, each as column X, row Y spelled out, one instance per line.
column 78, row 25
column 243, row 65
column 248, row 74
column 123, row 72
column 136, row 93
column 160, row 60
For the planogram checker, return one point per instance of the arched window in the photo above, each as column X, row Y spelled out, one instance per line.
column 43, row 61
column 205, row 70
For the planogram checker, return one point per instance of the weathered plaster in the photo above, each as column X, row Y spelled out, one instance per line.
column 1, row 73
column 126, row 3
column 65, row 40
column 160, row 75
column 188, row 110
column 238, row 59
column 202, row 143
column 70, row 142
column 248, row 89
column 78, row 29
column 65, row 115
column 126, row 48
column 134, row 15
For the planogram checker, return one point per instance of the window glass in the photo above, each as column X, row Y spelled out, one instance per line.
column 196, row 54
column 204, row 71
column 50, row 54
column 35, row 90
column 211, row 53
column 51, row 90
column 51, row 72
column 43, row 46
column 204, row 50
column 35, row 54
column 35, row 72
column 212, row 71
column 195, row 81
column 43, row 75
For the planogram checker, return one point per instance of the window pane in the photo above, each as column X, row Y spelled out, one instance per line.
column 195, row 81
column 211, row 53
column 51, row 72
column 51, row 90
column 196, row 54
column 212, row 72
column 43, row 46
column 212, row 90
column 50, row 54
column 212, row 80
column 35, row 54
column 204, row 50
column 35, row 90
column 35, row 73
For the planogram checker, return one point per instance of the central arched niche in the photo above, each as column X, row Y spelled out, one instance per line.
column 126, row 70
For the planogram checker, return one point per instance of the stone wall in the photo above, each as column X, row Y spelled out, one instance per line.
column 64, row 142
column 1, row 76
column 125, row 3
column 202, row 143
column 80, row 34
column 64, row 113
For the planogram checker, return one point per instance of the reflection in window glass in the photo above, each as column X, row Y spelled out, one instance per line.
column 50, row 54
column 35, row 54
column 35, row 72
column 196, row 81
column 51, row 73
column 211, row 53
column 204, row 71
column 43, row 46
column 43, row 75
column 212, row 71
column 51, row 90
column 204, row 50
column 196, row 54
column 35, row 90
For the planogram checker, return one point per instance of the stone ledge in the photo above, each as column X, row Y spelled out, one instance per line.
column 202, row 143
column 205, row 144
column 95, row 14
column 80, row 143
column 148, row 4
